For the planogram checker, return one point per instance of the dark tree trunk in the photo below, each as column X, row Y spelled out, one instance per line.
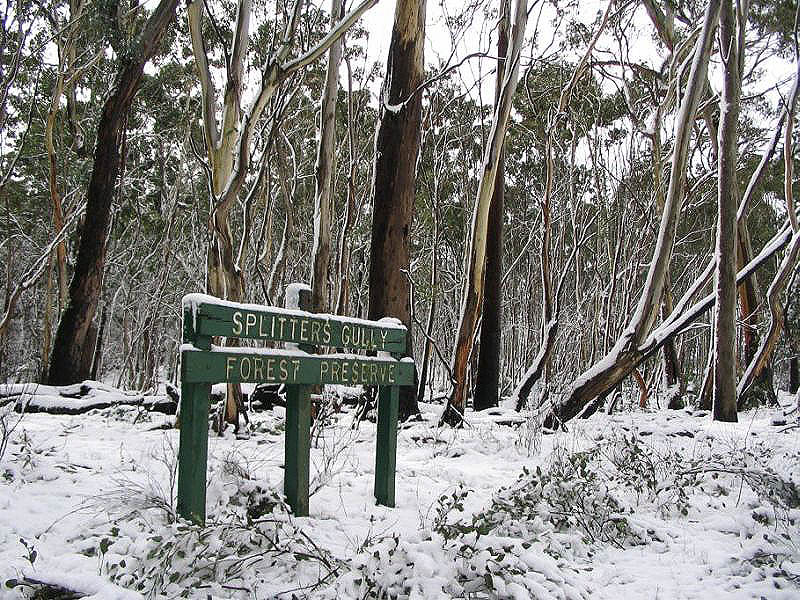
column 73, row 340
column 97, row 356
column 672, row 374
column 762, row 390
column 487, row 377
column 396, row 149
column 672, row 366
column 794, row 375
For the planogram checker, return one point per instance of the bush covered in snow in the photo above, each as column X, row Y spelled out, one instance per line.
column 249, row 531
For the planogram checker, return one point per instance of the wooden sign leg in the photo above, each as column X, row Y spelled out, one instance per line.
column 298, row 448
column 386, row 446
column 193, row 452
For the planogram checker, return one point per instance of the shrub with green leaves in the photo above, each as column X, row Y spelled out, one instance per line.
column 572, row 494
column 249, row 530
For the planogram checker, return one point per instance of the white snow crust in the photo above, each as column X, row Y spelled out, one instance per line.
column 69, row 483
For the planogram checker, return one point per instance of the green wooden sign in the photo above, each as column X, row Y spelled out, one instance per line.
column 294, row 368
column 202, row 364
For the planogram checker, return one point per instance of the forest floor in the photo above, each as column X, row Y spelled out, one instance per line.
column 641, row 504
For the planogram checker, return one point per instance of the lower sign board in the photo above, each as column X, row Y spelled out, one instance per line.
column 294, row 368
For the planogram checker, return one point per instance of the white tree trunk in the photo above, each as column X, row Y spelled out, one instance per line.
column 724, row 399
column 324, row 174
column 476, row 263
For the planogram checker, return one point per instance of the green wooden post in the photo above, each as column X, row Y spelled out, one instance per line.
column 297, row 448
column 193, row 449
column 386, row 446
column 193, row 452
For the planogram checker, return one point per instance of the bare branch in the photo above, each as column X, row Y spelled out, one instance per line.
column 208, row 91
column 32, row 274
column 325, row 43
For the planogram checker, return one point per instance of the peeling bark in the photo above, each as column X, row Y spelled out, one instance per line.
column 396, row 148
column 487, row 376
column 476, row 260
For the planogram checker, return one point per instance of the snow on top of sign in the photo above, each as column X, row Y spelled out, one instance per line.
column 293, row 290
column 389, row 321
column 245, row 350
column 194, row 300
column 345, row 356
column 260, row 351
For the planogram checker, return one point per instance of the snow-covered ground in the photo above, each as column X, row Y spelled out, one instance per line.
column 650, row 504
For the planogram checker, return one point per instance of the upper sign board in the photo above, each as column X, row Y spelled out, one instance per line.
column 282, row 325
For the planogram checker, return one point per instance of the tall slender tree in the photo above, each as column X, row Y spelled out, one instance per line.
column 396, row 149
column 476, row 258
column 73, row 346
column 724, row 399
column 487, row 377
column 323, row 172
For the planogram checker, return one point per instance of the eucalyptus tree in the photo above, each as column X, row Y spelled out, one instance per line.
column 323, row 174
column 487, row 376
column 787, row 269
column 624, row 356
column 724, row 273
column 73, row 346
column 476, row 258
column 356, row 123
column 229, row 139
column 396, row 149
